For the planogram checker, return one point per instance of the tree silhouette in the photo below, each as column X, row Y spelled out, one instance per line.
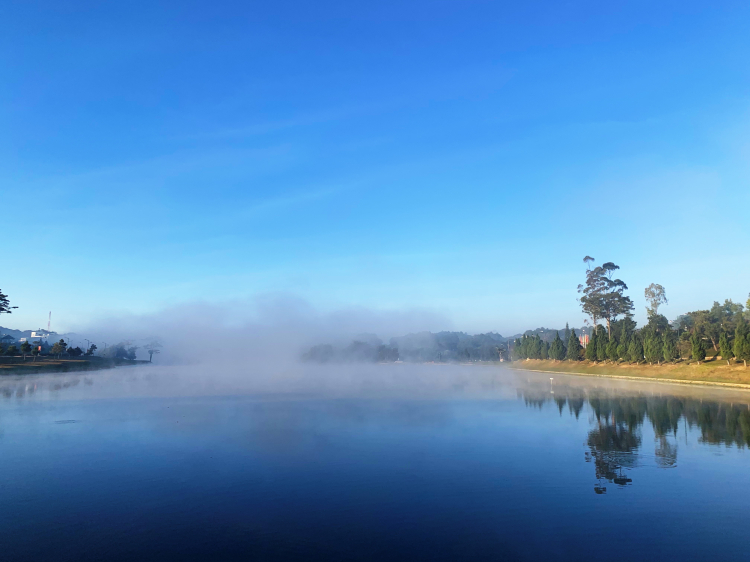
column 5, row 304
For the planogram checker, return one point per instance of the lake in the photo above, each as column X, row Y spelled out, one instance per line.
column 368, row 463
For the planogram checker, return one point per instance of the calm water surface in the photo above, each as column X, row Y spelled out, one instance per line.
column 484, row 464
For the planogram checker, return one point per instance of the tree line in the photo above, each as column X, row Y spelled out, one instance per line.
column 41, row 347
column 122, row 350
column 441, row 347
column 533, row 347
column 723, row 329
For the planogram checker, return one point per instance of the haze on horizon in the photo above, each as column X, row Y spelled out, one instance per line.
column 446, row 164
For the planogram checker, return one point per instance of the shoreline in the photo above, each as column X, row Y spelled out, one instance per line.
column 717, row 384
column 655, row 373
column 653, row 376
column 64, row 366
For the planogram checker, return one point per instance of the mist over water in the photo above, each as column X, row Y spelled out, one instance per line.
column 285, row 378
column 229, row 447
column 291, row 461
column 268, row 329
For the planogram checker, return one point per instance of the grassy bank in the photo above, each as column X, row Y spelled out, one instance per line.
column 45, row 365
column 709, row 372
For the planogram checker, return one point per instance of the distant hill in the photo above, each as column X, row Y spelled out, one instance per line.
column 18, row 334
column 448, row 346
column 426, row 346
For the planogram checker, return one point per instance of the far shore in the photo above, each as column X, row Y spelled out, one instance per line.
column 16, row 365
column 713, row 372
column 708, row 373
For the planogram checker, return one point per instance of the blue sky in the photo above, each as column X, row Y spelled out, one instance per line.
column 457, row 157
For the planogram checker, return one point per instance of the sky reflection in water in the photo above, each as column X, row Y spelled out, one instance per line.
column 450, row 463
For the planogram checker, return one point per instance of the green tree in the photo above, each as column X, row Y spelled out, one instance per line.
column 5, row 307
column 657, row 324
column 536, row 347
column 652, row 347
column 59, row 348
column 574, row 347
column 721, row 318
column 615, row 302
column 612, row 350
column 724, row 348
column 601, row 346
column 698, row 349
column 602, row 296
column 591, row 346
column 623, row 329
column 11, row 350
column 656, row 296
column 669, row 347
column 516, row 353
column 592, row 291
column 700, row 322
column 25, row 349
column 635, row 351
column 544, row 349
column 622, row 349
column 91, row 350
column 557, row 349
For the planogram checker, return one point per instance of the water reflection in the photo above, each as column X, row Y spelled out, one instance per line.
column 613, row 444
column 612, row 448
column 615, row 441
column 21, row 387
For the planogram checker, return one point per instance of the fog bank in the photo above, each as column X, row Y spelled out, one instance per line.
column 267, row 329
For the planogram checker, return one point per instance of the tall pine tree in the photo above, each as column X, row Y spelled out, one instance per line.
column 612, row 353
column 556, row 351
column 536, row 348
column 622, row 349
column 574, row 347
column 517, row 351
column 525, row 345
column 601, row 346
column 544, row 350
column 635, row 351
column 652, row 347
column 591, row 346
column 669, row 349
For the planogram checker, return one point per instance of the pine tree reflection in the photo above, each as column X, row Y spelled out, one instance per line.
column 618, row 416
